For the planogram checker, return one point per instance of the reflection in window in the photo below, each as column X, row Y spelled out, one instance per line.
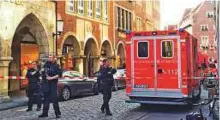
column 90, row 5
column 98, row 9
column 143, row 49
column 70, row 6
column 167, row 49
column 81, row 6
column 105, row 10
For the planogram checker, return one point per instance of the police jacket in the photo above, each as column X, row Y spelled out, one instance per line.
column 51, row 69
column 106, row 75
column 33, row 79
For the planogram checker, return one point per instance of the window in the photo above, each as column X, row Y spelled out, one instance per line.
column 167, row 49
column 81, row 7
column 123, row 19
column 98, row 9
column 105, row 10
column 70, row 6
column 204, row 27
column 143, row 49
column 119, row 17
column 126, row 22
column 210, row 14
column 138, row 24
column 204, row 41
column 130, row 18
column 90, row 5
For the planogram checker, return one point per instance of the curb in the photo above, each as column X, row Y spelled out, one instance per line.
column 13, row 104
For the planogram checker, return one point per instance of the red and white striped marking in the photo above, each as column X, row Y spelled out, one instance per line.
column 67, row 77
column 13, row 77
column 23, row 77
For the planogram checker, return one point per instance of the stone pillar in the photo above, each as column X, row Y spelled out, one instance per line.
column 4, row 66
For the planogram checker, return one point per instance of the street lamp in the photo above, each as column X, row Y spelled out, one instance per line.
column 59, row 30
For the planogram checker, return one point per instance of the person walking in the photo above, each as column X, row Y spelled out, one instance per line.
column 50, row 77
column 33, row 91
column 106, row 82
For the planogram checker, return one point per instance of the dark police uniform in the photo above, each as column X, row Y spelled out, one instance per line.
column 49, row 88
column 106, row 83
column 33, row 88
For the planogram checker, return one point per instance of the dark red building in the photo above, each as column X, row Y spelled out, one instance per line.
column 200, row 23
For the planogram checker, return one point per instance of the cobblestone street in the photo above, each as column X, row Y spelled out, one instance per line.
column 88, row 108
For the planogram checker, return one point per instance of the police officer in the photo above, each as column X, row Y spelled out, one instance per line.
column 50, row 78
column 106, row 81
column 33, row 91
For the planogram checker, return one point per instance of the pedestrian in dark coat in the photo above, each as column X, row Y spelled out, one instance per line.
column 106, row 81
column 50, row 78
column 33, row 91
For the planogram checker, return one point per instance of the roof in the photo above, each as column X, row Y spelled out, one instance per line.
column 185, row 14
column 191, row 11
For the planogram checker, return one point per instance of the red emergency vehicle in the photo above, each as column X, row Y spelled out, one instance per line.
column 161, row 67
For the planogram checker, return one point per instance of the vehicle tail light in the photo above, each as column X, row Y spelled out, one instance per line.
column 184, row 87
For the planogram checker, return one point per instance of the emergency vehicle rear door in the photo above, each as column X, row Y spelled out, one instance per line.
column 168, row 63
column 143, row 64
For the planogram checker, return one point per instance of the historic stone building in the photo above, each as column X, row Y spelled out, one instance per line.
column 91, row 30
column 133, row 16
column 87, row 35
column 26, row 29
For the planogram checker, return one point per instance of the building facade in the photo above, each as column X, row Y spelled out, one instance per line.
column 200, row 23
column 156, row 14
column 105, row 32
column 26, row 33
column 91, row 30
column 87, row 36
column 133, row 16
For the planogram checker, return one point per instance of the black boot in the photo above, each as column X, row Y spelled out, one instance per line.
column 28, row 110
column 43, row 115
column 103, row 109
column 109, row 113
column 58, row 116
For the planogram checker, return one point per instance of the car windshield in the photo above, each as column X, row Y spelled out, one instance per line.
column 72, row 74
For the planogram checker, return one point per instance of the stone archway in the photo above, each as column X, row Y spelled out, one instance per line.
column 120, row 56
column 90, row 63
column 70, row 53
column 29, row 42
column 106, row 49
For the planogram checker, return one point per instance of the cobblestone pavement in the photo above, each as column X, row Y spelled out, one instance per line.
column 88, row 108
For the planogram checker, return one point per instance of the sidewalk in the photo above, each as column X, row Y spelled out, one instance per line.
column 17, row 99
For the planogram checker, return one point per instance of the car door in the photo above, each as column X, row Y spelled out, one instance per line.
column 84, row 85
column 69, row 80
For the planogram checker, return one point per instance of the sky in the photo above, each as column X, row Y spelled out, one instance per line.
column 172, row 10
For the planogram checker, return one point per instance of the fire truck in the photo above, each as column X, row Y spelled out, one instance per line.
column 162, row 68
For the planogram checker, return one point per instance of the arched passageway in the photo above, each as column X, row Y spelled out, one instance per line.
column 120, row 56
column 90, row 63
column 29, row 41
column 70, row 53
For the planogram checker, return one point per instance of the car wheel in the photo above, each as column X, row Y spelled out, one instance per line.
column 96, row 89
column 196, row 97
column 66, row 94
